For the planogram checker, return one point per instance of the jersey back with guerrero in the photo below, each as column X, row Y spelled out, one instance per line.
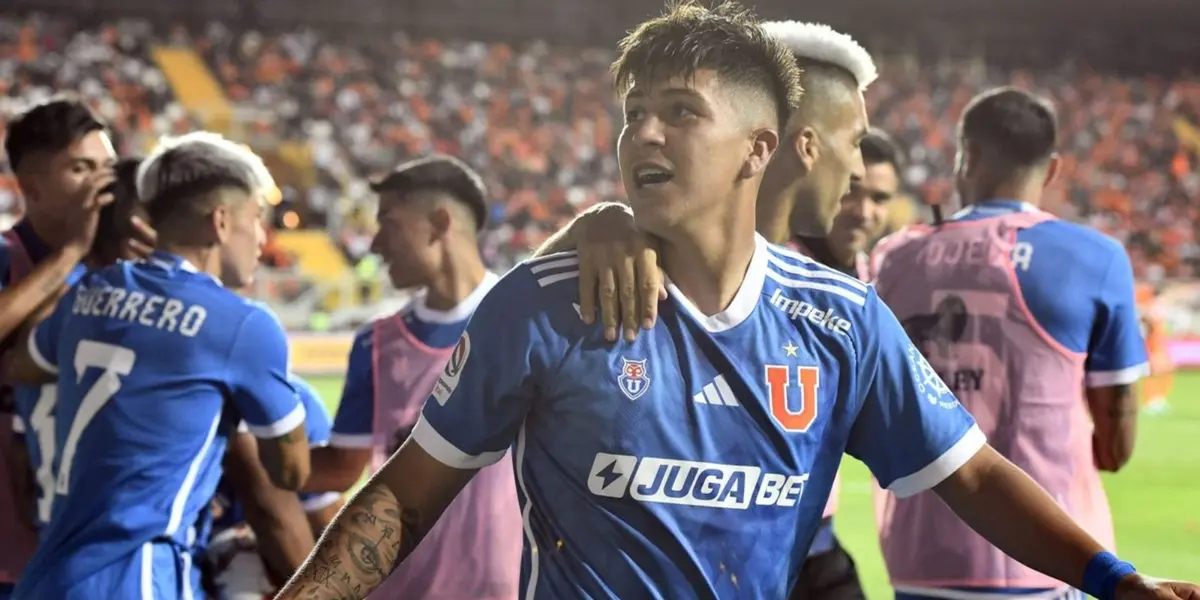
column 695, row 461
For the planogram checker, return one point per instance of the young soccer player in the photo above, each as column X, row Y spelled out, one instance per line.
column 817, row 171
column 33, row 419
column 1019, row 313
column 146, row 356
column 430, row 212
column 697, row 459
column 63, row 159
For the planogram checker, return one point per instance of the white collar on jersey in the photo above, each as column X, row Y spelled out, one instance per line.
column 460, row 312
column 744, row 301
column 993, row 208
column 171, row 262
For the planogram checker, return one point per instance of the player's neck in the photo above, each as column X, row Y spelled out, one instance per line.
column 709, row 262
column 45, row 229
column 1028, row 191
column 460, row 277
column 206, row 260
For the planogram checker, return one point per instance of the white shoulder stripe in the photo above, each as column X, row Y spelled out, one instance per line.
column 550, row 257
column 559, row 263
column 557, row 277
column 823, row 287
column 820, row 272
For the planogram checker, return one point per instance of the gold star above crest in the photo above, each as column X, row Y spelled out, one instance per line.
column 791, row 349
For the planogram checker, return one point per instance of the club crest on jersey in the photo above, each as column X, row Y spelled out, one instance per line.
column 634, row 378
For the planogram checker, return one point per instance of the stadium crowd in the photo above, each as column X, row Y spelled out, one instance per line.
column 540, row 122
column 117, row 264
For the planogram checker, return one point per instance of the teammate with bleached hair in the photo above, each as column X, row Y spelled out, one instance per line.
column 147, row 355
column 818, row 159
column 804, row 185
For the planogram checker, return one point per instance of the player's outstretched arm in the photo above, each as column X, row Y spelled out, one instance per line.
column 275, row 515
column 473, row 415
column 1015, row 514
column 379, row 527
column 618, row 265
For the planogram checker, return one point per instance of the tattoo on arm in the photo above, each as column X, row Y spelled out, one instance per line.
column 361, row 547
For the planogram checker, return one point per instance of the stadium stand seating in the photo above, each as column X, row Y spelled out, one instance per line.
column 541, row 122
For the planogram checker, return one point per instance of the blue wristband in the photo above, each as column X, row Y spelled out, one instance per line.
column 1103, row 573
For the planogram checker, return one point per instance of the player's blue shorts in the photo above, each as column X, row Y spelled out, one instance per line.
column 157, row 571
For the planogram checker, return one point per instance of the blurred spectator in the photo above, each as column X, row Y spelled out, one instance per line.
column 540, row 123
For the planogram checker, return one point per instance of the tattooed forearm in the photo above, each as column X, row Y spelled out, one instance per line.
column 360, row 548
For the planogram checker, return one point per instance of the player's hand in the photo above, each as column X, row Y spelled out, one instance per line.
column 619, row 266
column 142, row 239
column 1139, row 587
column 83, row 212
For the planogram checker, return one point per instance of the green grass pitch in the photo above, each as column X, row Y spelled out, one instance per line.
column 1155, row 499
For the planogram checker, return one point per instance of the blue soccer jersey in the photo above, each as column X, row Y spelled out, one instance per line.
column 148, row 356
column 694, row 462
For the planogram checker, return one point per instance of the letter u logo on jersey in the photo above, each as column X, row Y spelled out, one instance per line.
column 634, row 379
column 779, row 379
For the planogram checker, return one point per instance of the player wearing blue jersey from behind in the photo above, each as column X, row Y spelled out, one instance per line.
column 155, row 361
column 695, row 461
column 1023, row 371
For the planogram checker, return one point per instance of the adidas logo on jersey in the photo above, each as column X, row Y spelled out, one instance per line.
column 803, row 311
column 688, row 483
column 716, row 393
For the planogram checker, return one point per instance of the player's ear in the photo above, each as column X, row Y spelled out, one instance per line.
column 762, row 147
column 222, row 221
column 1052, row 169
column 441, row 220
column 807, row 146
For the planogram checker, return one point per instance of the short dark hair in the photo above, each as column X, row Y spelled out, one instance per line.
column 1011, row 125
column 48, row 127
column 113, row 226
column 879, row 147
column 439, row 173
column 727, row 39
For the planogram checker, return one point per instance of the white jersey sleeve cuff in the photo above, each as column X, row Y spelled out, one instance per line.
column 356, row 441
column 943, row 466
column 293, row 420
column 37, row 357
column 448, row 454
column 1126, row 376
column 320, row 502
